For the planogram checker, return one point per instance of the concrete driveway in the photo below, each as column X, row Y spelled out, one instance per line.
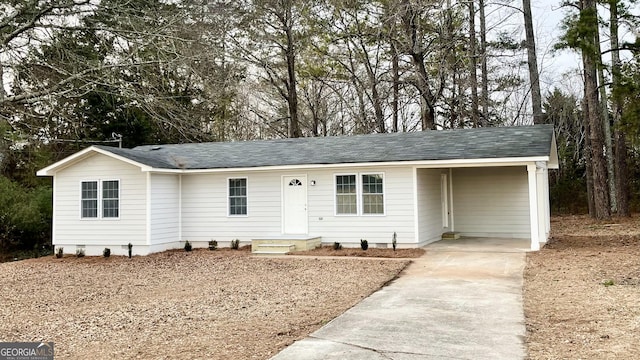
column 461, row 300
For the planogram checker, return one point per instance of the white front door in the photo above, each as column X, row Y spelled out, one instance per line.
column 294, row 204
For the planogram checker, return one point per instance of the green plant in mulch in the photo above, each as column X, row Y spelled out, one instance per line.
column 608, row 283
column 364, row 244
column 235, row 244
column 213, row 245
column 187, row 246
column 80, row 253
column 59, row 252
column 337, row 246
column 106, row 252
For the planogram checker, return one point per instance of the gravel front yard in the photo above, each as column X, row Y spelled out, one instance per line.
column 176, row 305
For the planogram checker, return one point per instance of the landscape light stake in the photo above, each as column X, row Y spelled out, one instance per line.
column 393, row 241
column 130, row 247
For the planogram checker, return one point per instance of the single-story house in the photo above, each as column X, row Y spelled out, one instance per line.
column 486, row 182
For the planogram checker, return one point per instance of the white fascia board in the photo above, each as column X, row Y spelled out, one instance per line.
column 83, row 154
column 419, row 163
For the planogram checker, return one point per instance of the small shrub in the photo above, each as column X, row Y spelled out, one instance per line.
column 235, row 244
column 337, row 246
column 609, row 283
column 393, row 241
column 106, row 252
column 80, row 253
column 59, row 252
column 187, row 246
column 130, row 249
column 364, row 244
column 213, row 245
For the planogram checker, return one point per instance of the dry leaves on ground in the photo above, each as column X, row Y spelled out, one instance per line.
column 198, row 305
column 582, row 291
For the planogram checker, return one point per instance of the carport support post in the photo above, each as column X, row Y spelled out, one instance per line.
column 533, row 206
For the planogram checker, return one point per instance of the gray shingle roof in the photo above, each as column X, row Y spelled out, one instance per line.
column 499, row 142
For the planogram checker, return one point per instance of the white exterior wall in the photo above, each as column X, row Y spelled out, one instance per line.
column 376, row 229
column 430, row 205
column 491, row 202
column 205, row 208
column 71, row 231
column 165, row 209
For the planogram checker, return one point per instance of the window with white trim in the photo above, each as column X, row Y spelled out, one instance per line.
column 100, row 199
column 89, row 199
column 111, row 199
column 359, row 194
column 238, row 196
column 372, row 194
column 346, row 195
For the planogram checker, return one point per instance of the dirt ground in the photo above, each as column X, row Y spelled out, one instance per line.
column 176, row 305
column 582, row 291
column 358, row 252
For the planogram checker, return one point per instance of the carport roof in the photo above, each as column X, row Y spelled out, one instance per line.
column 480, row 143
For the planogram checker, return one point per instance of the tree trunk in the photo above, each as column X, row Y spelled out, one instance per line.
column 484, row 95
column 596, row 135
column 620, row 151
column 292, row 94
column 395, row 70
column 586, row 150
column 606, row 125
column 473, row 66
column 532, row 60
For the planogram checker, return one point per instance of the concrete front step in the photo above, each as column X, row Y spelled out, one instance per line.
column 450, row 236
column 283, row 244
column 274, row 249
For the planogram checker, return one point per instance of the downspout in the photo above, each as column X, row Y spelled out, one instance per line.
column 452, row 224
column 180, row 207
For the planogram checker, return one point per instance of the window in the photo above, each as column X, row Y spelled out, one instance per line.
column 360, row 194
column 89, row 199
column 106, row 193
column 110, row 199
column 238, row 196
column 346, row 196
column 372, row 194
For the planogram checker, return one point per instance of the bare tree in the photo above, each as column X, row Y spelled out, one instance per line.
column 532, row 61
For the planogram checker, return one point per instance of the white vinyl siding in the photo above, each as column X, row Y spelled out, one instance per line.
column 165, row 208
column 72, row 228
column 491, row 201
column 238, row 196
column 430, row 204
column 205, row 207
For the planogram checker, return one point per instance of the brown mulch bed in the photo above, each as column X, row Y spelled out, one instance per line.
column 582, row 291
column 358, row 252
column 199, row 305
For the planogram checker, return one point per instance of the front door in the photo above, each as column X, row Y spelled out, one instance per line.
column 294, row 204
